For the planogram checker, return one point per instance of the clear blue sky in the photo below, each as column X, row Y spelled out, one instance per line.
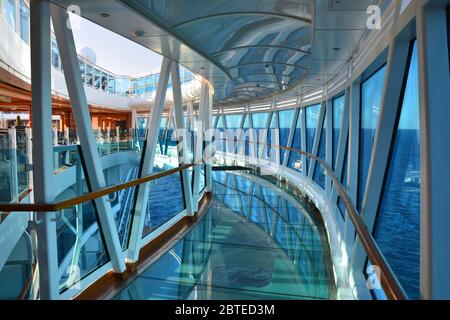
column 114, row 52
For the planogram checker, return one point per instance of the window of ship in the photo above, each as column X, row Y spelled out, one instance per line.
column 24, row 22
column 312, row 120
column 285, row 120
column 397, row 227
column 319, row 173
column 338, row 112
column 371, row 93
column 295, row 159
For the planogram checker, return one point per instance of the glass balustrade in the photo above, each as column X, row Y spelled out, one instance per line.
column 160, row 209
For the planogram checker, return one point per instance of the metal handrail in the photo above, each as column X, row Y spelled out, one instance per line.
column 389, row 282
column 66, row 204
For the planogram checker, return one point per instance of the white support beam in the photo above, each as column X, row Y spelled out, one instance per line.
column 290, row 141
column 434, row 93
column 203, row 124
column 182, row 132
column 318, row 135
column 189, row 114
column 395, row 80
column 43, row 147
column 353, row 160
column 148, row 161
column 329, row 142
column 342, row 144
column 302, row 116
column 80, row 109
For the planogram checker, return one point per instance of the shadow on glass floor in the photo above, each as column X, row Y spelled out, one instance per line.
column 252, row 244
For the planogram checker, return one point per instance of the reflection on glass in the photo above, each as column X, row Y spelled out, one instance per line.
column 397, row 229
column 24, row 22
column 233, row 126
column 371, row 92
column 80, row 243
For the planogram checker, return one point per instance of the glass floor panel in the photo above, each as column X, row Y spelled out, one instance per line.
column 229, row 256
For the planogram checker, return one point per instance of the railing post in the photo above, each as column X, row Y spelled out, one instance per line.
column 80, row 108
column 42, row 147
column 182, row 146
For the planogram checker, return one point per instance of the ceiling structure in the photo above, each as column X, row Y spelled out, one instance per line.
column 249, row 50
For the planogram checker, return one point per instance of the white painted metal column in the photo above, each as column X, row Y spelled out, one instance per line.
column 290, row 141
column 329, row 143
column 148, row 161
column 302, row 116
column 353, row 160
column 182, row 132
column 434, row 93
column 42, row 147
column 208, row 127
column 318, row 135
column 82, row 117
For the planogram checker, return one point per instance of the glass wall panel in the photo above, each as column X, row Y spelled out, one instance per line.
column 285, row 124
column 24, row 22
column 11, row 13
column 259, row 121
column 55, row 54
column 233, row 126
column 312, row 120
column 81, row 247
column 397, row 228
column 166, row 200
column 371, row 92
column 319, row 173
column 338, row 112
column 296, row 159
